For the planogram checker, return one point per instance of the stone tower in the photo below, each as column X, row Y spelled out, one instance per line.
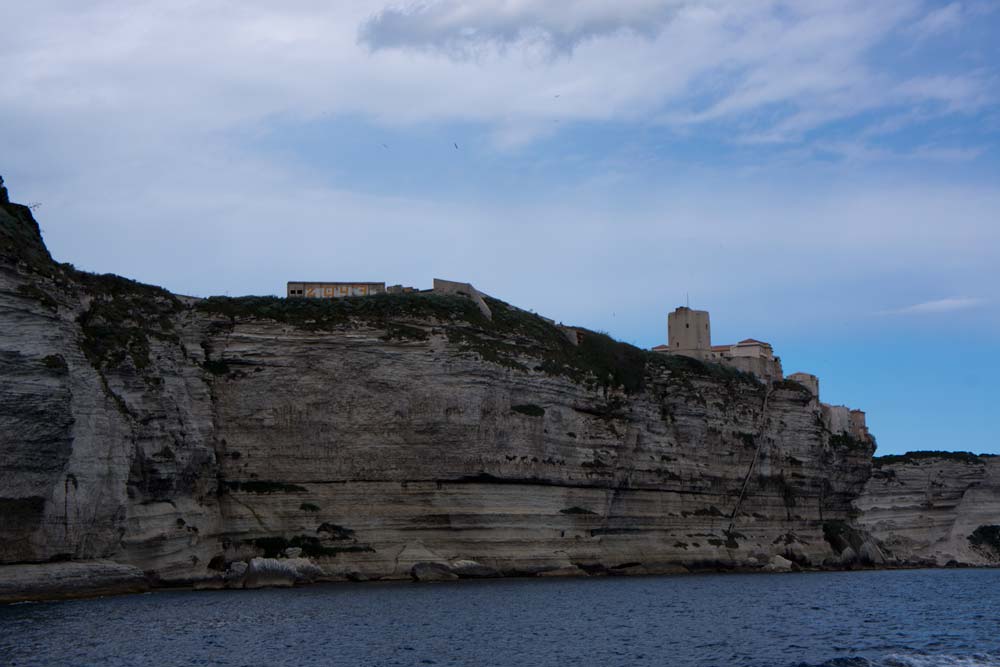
column 689, row 330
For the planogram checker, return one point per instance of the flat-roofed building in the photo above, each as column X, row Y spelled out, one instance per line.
column 338, row 290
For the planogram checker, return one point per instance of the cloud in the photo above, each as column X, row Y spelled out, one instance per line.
column 465, row 28
column 949, row 305
column 943, row 19
column 766, row 71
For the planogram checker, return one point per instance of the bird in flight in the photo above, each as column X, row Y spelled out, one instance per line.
column 456, row 146
column 385, row 145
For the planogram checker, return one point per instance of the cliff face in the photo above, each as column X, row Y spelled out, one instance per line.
column 935, row 507
column 179, row 436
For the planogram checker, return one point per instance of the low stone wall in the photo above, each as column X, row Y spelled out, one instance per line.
column 463, row 289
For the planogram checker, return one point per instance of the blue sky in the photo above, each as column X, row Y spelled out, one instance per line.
column 821, row 174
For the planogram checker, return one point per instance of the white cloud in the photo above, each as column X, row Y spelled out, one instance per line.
column 771, row 70
column 940, row 20
column 949, row 305
column 464, row 29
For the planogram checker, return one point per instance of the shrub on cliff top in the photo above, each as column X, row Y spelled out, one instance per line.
column 319, row 314
column 913, row 458
column 510, row 339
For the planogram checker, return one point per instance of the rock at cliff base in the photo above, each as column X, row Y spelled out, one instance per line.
column 268, row 572
column 779, row 564
column 69, row 580
column 870, row 554
column 432, row 572
column 293, row 552
column 470, row 569
column 567, row 571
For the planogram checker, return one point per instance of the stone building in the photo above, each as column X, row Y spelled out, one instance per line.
column 306, row 290
column 807, row 380
column 689, row 333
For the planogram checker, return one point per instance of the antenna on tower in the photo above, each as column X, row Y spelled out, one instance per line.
column 687, row 298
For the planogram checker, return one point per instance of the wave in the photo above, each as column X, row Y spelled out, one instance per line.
column 913, row 660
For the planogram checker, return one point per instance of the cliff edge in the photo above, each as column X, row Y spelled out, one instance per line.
column 935, row 508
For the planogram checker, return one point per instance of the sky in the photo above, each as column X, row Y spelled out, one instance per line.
column 820, row 174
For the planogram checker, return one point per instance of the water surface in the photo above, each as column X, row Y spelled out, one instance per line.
column 852, row 619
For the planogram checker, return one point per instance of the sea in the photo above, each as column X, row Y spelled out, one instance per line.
column 902, row 618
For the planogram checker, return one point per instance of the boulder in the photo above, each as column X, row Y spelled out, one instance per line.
column 779, row 564
column 74, row 579
column 268, row 572
column 432, row 572
column 470, row 569
column 293, row 552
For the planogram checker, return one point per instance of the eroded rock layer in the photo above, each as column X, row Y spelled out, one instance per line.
column 935, row 507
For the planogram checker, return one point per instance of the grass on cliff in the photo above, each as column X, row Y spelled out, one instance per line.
column 513, row 338
column 123, row 316
column 21, row 239
column 913, row 458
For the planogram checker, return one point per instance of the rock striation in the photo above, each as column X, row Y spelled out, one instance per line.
column 242, row 442
column 935, row 508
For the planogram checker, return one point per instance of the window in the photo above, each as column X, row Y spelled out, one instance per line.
column 687, row 326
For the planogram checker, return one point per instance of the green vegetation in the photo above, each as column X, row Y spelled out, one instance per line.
column 324, row 314
column 530, row 410
column 847, row 441
column 912, row 458
column 986, row 538
column 21, row 240
column 514, row 338
column 122, row 317
column 260, row 486
column 792, row 385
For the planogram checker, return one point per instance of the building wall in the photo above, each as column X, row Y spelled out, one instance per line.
column 837, row 418
column 333, row 290
column 859, row 429
column 689, row 330
column 463, row 289
column 807, row 380
column 765, row 369
column 755, row 350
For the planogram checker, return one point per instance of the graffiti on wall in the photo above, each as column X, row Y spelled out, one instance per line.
column 333, row 291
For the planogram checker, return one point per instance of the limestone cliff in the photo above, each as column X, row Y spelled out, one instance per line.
column 381, row 434
column 935, row 507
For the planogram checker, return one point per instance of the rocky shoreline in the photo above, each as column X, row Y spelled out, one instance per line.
column 90, row 579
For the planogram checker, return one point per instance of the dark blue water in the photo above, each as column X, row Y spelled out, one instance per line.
column 892, row 619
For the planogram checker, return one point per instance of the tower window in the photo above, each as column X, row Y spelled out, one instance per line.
column 687, row 326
